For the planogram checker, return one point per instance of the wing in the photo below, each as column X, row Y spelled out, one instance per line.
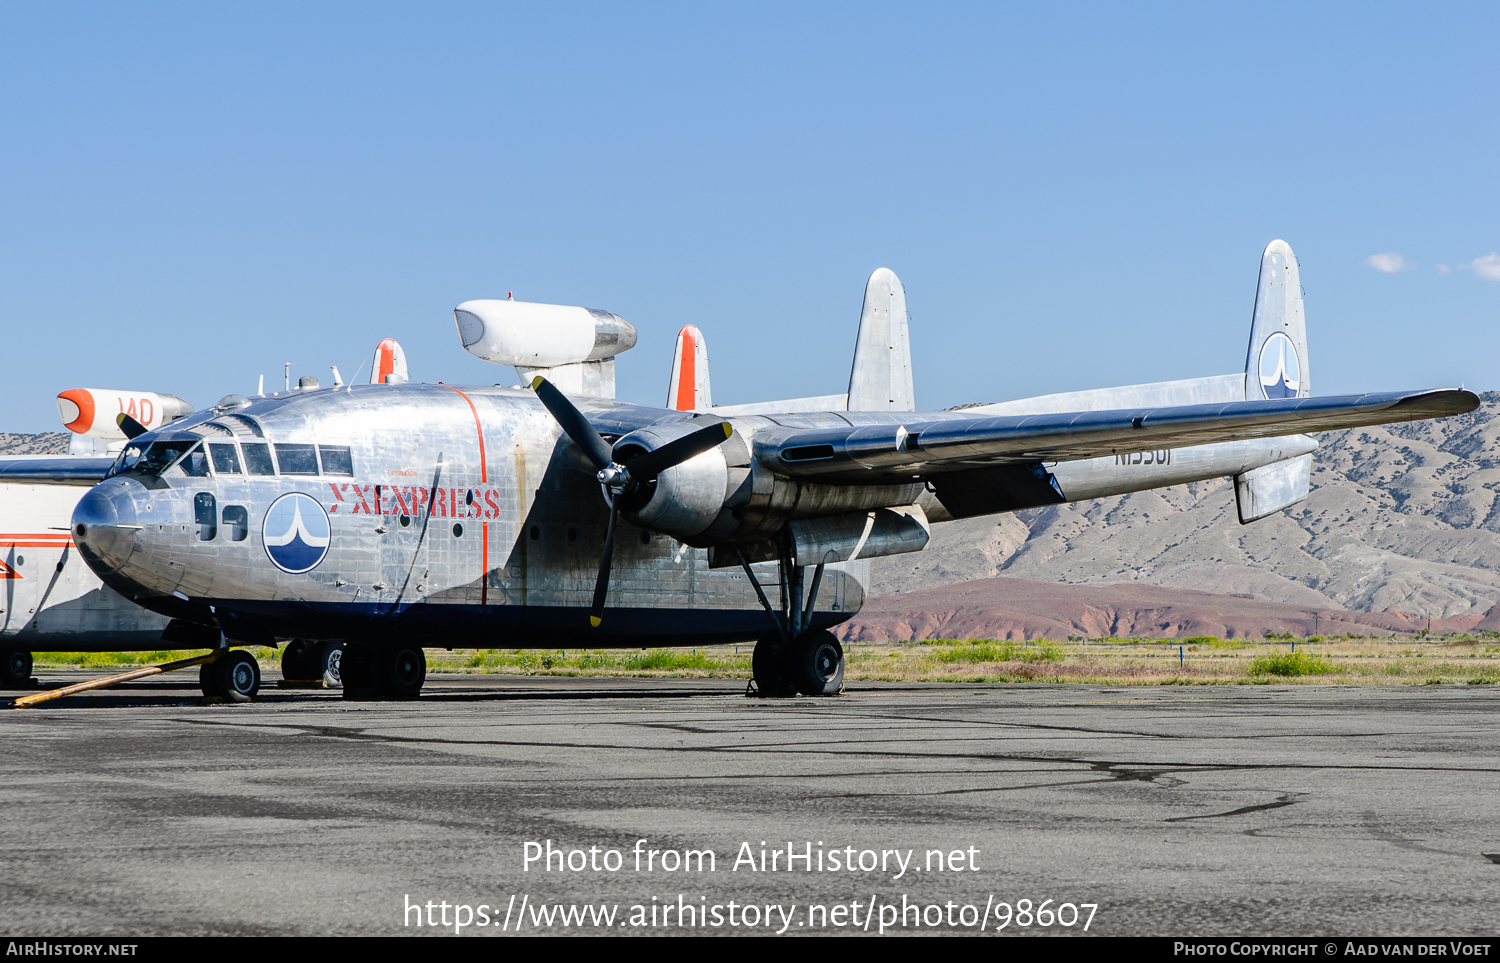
column 931, row 444
column 52, row 470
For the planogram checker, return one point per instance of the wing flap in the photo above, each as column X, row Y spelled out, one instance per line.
column 959, row 443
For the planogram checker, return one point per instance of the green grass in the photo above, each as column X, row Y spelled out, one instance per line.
column 1289, row 664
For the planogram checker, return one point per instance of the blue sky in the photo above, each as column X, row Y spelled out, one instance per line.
column 1074, row 195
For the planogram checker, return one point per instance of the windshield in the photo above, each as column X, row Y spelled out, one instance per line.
column 160, row 456
column 126, row 460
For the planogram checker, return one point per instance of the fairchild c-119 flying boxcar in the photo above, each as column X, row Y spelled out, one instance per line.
column 551, row 514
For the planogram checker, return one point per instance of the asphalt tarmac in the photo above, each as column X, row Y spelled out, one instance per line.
column 1255, row 810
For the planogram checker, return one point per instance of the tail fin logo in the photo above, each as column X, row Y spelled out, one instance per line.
column 1280, row 372
column 296, row 533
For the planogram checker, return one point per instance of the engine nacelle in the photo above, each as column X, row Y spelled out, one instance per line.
column 683, row 501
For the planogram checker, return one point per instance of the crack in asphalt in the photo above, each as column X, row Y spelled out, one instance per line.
column 1286, row 800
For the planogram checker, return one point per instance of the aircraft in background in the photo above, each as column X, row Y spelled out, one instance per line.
column 401, row 515
column 50, row 600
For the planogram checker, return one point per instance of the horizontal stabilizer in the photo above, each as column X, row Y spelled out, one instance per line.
column 787, row 406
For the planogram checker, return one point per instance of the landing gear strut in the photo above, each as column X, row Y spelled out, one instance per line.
column 796, row 657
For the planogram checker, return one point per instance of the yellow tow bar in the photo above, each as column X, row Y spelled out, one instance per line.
column 50, row 694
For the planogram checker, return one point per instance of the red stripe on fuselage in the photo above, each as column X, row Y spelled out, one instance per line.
column 484, row 529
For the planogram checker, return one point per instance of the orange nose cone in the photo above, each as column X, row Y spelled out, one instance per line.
column 78, row 404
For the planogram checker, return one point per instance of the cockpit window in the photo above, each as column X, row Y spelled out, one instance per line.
column 297, row 459
column 226, row 460
column 194, row 463
column 258, row 459
column 126, row 459
column 162, row 454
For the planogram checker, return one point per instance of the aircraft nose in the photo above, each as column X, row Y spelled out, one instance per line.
column 104, row 526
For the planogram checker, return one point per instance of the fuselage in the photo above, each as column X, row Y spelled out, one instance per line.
column 460, row 515
column 463, row 517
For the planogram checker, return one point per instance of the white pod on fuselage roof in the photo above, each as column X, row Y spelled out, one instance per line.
column 528, row 335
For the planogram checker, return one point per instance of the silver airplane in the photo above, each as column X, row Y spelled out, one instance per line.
column 548, row 514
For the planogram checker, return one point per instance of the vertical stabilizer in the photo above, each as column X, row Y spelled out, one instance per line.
column 688, row 390
column 881, row 378
column 1276, row 366
column 389, row 366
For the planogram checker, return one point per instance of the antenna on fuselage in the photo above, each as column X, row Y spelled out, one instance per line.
column 356, row 376
column 337, row 381
column 261, row 388
column 286, row 379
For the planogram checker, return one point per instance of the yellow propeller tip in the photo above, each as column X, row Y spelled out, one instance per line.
column 728, row 431
column 536, row 381
column 594, row 620
column 120, row 418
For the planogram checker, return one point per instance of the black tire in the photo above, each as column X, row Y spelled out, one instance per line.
column 399, row 669
column 768, row 665
column 816, row 663
column 330, row 659
column 299, row 661
column 356, row 670
column 209, row 679
column 239, row 675
column 15, row 670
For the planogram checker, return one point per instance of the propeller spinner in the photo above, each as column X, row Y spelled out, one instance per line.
column 618, row 479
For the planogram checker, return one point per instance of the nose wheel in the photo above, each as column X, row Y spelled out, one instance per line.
column 234, row 676
column 15, row 670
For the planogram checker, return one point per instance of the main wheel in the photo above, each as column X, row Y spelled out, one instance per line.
column 400, row 670
column 330, row 658
column 356, row 671
column 299, row 661
column 15, row 670
column 815, row 663
column 768, row 665
column 383, row 670
column 239, row 675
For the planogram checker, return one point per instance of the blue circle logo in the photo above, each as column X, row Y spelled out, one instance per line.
column 1280, row 373
column 296, row 533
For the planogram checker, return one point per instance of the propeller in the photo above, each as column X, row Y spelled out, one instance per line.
column 129, row 425
column 616, row 479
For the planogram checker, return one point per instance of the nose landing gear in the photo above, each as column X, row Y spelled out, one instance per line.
column 234, row 676
column 15, row 669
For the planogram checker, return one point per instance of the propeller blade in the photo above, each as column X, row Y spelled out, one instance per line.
column 601, row 587
column 572, row 421
column 129, row 425
column 646, row 467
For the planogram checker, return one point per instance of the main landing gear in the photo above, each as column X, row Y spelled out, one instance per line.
column 305, row 660
column 383, row 670
column 795, row 658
